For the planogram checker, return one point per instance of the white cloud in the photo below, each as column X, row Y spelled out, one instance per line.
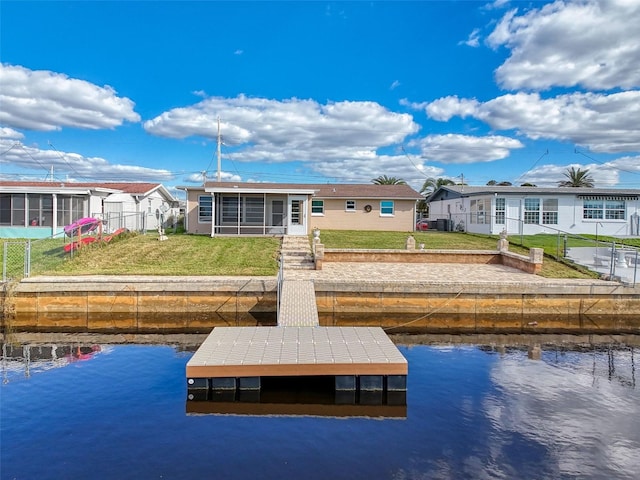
column 294, row 124
column 603, row 123
column 590, row 43
column 456, row 148
column 411, row 169
column 224, row 176
column 604, row 176
column 473, row 40
column 323, row 136
column 75, row 166
column 394, row 85
column 445, row 108
column 238, row 52
column 10, row 133
column 43, row 100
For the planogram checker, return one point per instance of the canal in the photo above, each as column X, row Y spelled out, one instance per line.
column 114, row 407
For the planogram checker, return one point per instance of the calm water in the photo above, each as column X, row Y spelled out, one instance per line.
column 471, row 413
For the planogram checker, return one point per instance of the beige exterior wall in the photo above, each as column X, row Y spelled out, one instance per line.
column 193, row 226
column 337, row 217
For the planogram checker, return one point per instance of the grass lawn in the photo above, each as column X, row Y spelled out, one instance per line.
column 136, row 254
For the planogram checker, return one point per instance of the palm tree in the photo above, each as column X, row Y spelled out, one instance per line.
column 384, row 180
column 431, row 184
column 576, row 178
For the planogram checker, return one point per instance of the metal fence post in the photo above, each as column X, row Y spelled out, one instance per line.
column 27, row 259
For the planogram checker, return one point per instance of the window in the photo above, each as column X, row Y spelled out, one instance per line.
column 350, row 206
column 592, row 209
column 550, row 211
column 246, row 210
column 18, row 203
column 478, row 210
column 531, row 210
column 386, row 207
column 614, row 210
column 230, row 209
column 254, row 210
column 317, row 207
column 40, row 210
column 500, row 211
column 601, row 208
column 70, row 208
column 205, row 208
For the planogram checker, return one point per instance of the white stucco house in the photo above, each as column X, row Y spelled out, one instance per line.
column 42, row 209
column 533, row 210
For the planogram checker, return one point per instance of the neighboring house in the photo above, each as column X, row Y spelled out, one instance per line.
column 531, row 210
column 228, row 208
column 42, row 209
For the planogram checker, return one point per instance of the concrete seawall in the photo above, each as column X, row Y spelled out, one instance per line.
column 445, row 299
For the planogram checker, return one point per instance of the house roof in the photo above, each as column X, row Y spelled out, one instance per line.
column 458, row 191
column 318, row 190
column 132, row 188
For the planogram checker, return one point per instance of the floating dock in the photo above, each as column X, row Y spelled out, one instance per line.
column 360, row 358
column 234, row 360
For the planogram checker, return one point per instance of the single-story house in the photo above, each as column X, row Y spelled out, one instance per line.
column 229, row 208
column 42, row 209
column 532, row 210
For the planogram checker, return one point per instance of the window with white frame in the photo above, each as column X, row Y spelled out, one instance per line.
column 550, row 211
column 205, row 208
column 531, row 210
column 317, row 207
column 603, row 208
column 386, row 207
column 350, row 205
column 501, row 209
column 614, row 210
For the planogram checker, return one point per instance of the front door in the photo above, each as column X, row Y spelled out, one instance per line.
column 513, row 216
column 297, row 224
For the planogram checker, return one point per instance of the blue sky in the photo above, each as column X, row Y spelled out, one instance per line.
column 313, row 92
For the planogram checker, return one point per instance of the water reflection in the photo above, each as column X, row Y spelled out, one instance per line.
column 307, row 396
column 576, row 406
column 30, row 358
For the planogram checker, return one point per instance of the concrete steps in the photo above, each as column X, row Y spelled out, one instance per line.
column 295, row 252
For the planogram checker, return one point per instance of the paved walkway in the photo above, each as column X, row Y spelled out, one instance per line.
column 358, row 272
column 298, row 304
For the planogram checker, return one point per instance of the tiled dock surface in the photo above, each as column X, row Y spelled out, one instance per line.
column 298, row 304
column 296, row 351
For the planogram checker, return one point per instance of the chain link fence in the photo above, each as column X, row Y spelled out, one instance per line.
column 16, row 260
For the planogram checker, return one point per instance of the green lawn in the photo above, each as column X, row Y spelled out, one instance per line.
column 136, row 254
column 181, row 254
